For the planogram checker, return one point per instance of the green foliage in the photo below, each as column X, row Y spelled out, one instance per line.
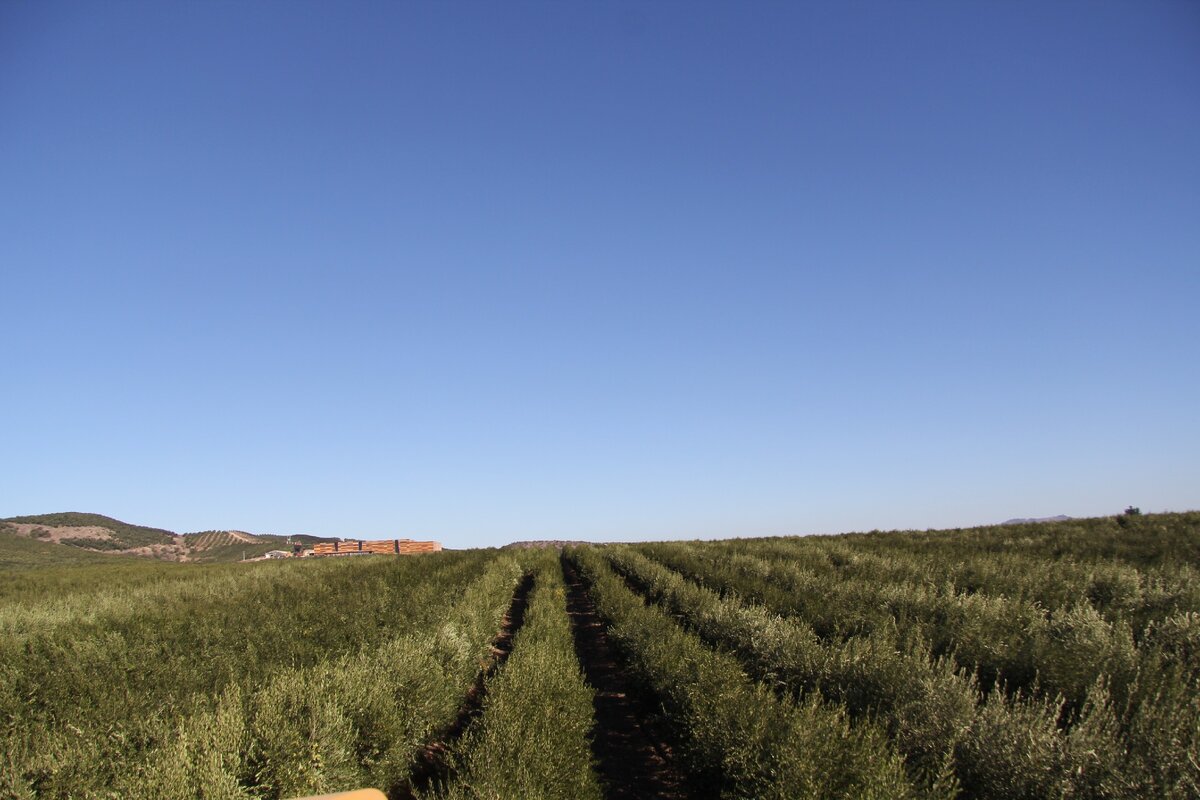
column 100, row 694
column 531, row 741
column 1013, row 751
column 734, row 733
column 1022, row 661
column 1087, row 648
column 926, row 706
column 92, row 544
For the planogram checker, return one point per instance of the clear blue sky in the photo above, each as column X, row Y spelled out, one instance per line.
column 491, row 271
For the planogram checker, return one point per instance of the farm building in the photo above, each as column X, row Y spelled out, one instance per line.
column 403, row 547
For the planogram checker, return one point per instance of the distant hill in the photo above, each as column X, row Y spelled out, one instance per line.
column 23, row 551
column 210, row 546
column 71, row 537
column 1059, row 518
column 304, row 538
column 535, row 543
column 116, row 534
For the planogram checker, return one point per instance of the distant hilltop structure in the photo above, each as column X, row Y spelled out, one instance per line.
column 356, row 547
column 1027, row 520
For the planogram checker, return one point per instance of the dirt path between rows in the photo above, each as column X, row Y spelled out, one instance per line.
column 433, row 767
column 633, row 758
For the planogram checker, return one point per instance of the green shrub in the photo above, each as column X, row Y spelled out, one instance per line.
column 735, row 733
column 1013, row 751
column 531, row 740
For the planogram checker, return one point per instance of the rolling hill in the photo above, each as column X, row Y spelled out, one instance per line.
column 24, row 551
column 74, row 537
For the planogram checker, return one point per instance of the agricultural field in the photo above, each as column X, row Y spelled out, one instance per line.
column 1053, row 660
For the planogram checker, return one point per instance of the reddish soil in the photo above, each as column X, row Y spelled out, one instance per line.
column 432, row 767
column 633, row 756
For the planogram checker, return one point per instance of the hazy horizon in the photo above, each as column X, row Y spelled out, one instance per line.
column 597, row 538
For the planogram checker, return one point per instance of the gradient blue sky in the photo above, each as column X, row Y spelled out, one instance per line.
column 491, row 271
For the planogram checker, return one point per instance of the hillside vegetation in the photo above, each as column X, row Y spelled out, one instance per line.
column 21, row 551
column 48, row 539
column 122, row 533
column 212, row 546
